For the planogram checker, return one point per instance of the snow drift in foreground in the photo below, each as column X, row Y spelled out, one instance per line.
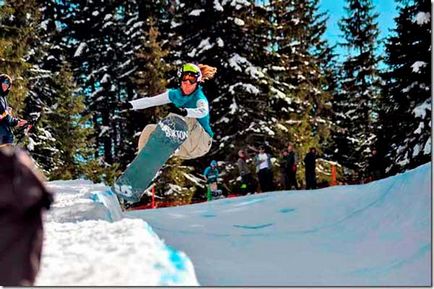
column 377, row 234
column 87, row 243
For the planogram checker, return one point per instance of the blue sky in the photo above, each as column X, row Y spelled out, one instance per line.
column 336, row 9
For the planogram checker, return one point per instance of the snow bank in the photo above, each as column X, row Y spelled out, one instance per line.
column 376, row 234
column 88, row 243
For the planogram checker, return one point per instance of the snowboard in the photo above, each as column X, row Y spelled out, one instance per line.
column 168, row 136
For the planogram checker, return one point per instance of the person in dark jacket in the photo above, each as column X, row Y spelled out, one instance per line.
column 292, row 167
column 310, row 166
column 7, row 121
column 284, row 170
column 23, row 199
column 249, row 183
column 375, row 166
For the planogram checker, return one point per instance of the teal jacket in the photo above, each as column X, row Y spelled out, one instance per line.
column 190, row 101
column 211, row 174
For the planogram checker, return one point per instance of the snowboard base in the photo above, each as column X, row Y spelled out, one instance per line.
column 167, row 137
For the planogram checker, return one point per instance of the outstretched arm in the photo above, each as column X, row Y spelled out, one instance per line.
column 147, row 102
column 200, row 111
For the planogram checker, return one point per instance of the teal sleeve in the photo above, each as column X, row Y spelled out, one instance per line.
column 173, row 95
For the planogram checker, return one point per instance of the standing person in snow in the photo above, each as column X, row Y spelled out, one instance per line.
column 292, row 167
column 284, row 170
column 375, row 170
column 309, row 168
column 187, row 101
column 211, row 174
column 246, row 175
column 264, row 169
column 23, row 200
column 7, row 121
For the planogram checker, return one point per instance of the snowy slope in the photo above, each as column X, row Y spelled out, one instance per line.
column 378, row 234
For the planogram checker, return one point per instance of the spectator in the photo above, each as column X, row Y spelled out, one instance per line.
column 23, row 198
column 211, row 174
column 292, row 167
column 247, row 178
column 264, row 169
column 310, row 166
column 284, row 170
column 7, row 121
column 375, row 166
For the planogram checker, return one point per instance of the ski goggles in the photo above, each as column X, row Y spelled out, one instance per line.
column 6, row 81
column 190, row 77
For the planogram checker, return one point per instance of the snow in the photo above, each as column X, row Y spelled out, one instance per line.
column 104, row 130
column 419, row 128
column 240, row 63
column 420, row 110
column 196, row 12
column 233, row 107
column 427, row 147
column 85, row 245
column 220, row 42
column 245, row 86
column 418, row 65
column 377, row 234
column 218, row 6
column 105, row 78
column 80, row 49
column 239, row 22
column 423, row 18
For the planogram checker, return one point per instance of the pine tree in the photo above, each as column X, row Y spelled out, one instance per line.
column 64, row 126
column 303, row 75
column 18, row 20
column 225, row 36
column 356, row 103
column 407, row 90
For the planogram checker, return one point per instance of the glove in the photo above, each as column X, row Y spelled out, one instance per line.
column 124, row 105
column 177, row 110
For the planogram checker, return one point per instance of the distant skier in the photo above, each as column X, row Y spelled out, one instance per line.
column 7, row 121
column 188, row 101
column 211, row 174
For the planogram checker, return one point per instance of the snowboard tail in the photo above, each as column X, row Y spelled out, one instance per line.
column 168, row 136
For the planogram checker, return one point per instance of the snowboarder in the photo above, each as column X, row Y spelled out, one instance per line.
column 188, row 101
column 7, row 121
column 211, row 174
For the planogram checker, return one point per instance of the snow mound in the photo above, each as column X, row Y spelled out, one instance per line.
column 88, row 242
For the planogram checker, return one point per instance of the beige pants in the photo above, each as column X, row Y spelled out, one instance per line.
column 196, row 145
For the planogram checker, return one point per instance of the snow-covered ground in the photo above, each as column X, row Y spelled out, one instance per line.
column 378, row 234
column 88, row 244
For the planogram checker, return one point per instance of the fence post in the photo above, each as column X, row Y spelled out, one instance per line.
column 333, row 178
column 153, row 196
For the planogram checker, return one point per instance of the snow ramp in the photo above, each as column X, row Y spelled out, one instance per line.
column 376, row 234
column 87, row 242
